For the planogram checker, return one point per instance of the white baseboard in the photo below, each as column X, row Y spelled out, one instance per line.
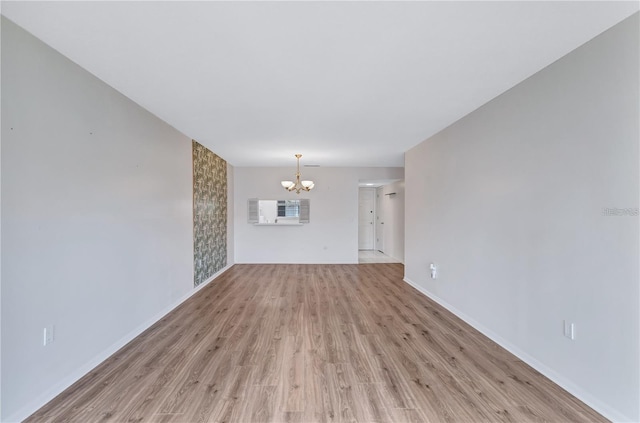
column 299, row 262
column 564, row 383
column 43, row 399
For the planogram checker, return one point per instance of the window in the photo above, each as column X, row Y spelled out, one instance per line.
column 288, row 208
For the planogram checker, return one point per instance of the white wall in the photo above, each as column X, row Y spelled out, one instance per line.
column 391, row 211
column 332, row 234
column 96, row 220
column 509, row 203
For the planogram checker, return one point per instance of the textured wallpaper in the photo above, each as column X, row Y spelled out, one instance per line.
column 209, row 213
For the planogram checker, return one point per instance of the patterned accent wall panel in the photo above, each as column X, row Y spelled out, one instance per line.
column 209, row 213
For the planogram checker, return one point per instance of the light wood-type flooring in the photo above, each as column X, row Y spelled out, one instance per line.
column 313, row 343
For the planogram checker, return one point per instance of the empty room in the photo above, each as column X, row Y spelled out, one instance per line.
column 320, row 211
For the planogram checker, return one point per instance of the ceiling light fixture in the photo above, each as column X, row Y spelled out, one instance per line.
column 298, row 186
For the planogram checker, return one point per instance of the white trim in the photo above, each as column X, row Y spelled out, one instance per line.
column 558, row 379
column 299, row 262
column 57, row 389
column 278, row 224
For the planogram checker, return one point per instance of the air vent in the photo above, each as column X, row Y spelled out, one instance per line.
column 314, row 165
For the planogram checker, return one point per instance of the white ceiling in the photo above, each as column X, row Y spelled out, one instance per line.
column 343, row 83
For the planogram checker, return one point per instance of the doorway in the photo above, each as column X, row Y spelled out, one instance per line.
column 379, row 232
column 366, row 218
column 381, row 221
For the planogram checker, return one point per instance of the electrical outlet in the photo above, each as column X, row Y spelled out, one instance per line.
column 572, row 331
column 48, row 335
column 434, row 270
column 569, row 329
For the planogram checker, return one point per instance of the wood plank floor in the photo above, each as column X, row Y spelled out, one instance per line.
column 313, row 343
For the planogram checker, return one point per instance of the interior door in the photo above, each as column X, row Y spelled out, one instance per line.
column 379, row 233
column 366, row 216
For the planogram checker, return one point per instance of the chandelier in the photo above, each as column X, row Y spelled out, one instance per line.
column 298, row 186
